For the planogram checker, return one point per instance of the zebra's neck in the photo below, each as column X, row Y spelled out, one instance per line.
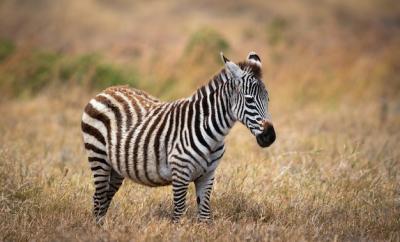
column 214, row 106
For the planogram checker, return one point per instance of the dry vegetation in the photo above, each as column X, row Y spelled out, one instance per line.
column 332, row 68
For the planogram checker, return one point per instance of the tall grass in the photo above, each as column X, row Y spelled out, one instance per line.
column 334, row 176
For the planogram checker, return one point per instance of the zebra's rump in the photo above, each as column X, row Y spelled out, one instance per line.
column 116, row 128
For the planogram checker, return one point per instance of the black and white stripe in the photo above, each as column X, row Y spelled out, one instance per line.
column 130, row 134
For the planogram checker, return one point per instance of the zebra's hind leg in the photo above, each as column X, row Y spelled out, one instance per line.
column 114, row 184
column 107, row 182
column 101, row 174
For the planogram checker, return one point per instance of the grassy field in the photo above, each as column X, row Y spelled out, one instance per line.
column 332, row 70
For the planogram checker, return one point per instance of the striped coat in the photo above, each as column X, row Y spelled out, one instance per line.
column 129, row 134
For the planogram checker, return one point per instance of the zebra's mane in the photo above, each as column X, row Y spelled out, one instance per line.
column 218, row 81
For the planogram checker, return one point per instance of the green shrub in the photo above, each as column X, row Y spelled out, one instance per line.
column 276, row 30
column 6, row 49
column 40, row 70
column 91, row 70
column 107, row 75
column 77, row 69
column 203, row 41
column 34, row 73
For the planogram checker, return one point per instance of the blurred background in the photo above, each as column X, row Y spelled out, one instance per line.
column 332, row 68
column 312, row 51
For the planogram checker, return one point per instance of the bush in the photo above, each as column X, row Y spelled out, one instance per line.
column 276, row 30
column 107, row 75
column 6, row 49
column 39, row 70
column 33, row 73
column 78, row 69
column 204, row 41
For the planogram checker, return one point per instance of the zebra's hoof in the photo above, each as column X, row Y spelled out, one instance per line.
column 100, row 221
column 205, row 220
column 176, row 220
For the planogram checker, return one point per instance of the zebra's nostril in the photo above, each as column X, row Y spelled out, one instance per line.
column 266, row 125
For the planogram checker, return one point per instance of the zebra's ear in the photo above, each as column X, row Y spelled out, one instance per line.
column 252, row 57
column 232, row 68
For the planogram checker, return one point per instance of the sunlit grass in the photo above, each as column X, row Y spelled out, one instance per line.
column 335, row 177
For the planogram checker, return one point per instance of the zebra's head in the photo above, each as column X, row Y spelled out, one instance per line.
column 250, row 98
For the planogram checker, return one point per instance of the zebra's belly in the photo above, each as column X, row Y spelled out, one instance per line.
column 146, row 168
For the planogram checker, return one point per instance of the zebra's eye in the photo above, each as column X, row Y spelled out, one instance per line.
column 249, row 99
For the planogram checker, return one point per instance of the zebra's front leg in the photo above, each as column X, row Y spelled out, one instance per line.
column 205, row 183
column 179, row 188
column 180, row 183
column 204, row 186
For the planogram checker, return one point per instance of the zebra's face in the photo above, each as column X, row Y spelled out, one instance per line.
column 250, row 102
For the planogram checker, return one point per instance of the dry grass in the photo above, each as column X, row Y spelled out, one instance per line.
column 336, row 177
column 332, row 68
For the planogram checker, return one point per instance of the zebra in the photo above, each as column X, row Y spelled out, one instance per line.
column 128, row 133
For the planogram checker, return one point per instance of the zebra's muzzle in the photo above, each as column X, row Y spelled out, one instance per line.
column 267, row 137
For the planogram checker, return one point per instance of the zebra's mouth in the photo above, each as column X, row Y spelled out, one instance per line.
column 267, row 137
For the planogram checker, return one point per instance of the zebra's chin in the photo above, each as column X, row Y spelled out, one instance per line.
column 263, row 143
